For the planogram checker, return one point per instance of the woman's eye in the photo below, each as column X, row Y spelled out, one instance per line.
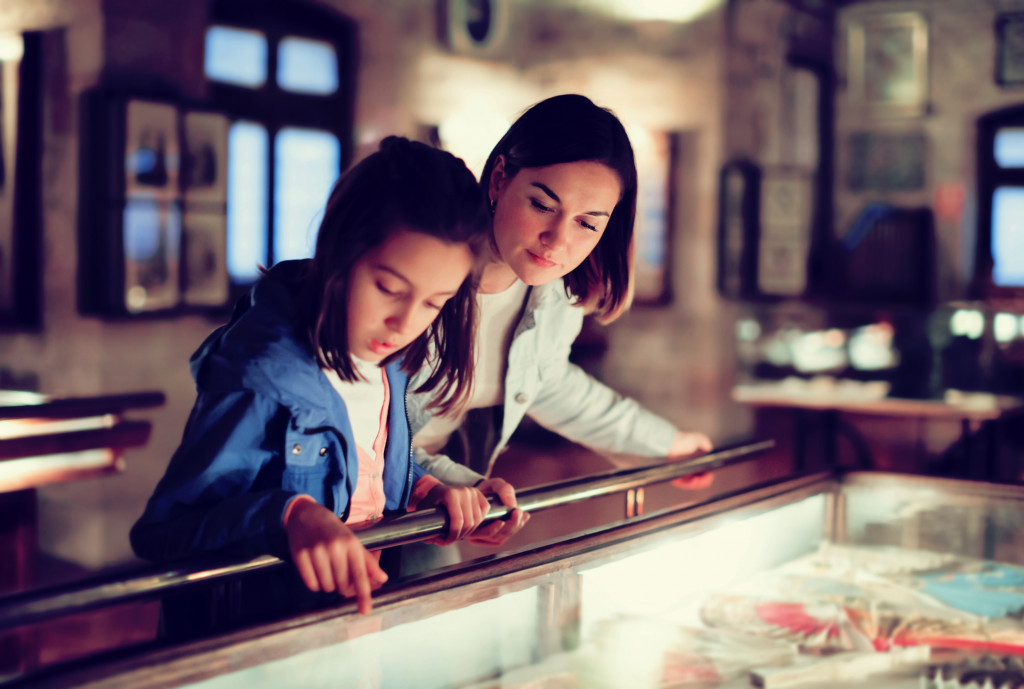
column 590, row 227
column 540, row 206
column 385, row 290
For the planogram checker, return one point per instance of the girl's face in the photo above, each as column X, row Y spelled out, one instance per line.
column 397, row 290
column 547, row 220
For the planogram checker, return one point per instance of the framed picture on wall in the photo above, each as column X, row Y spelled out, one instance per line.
column 152, row 152
column 784, row 219
column 654, row 151
column 21, row 136
column 887, row 63
column 1010, row 48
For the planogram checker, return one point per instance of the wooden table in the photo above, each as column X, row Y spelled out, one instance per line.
column 45, row 440
column 975, row 412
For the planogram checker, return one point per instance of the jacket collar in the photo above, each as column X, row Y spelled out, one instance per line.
column 261, row 351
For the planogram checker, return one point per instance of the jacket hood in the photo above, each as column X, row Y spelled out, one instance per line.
column 260, row 350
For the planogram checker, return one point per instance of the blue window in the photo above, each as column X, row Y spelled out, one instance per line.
column 1009, row 147
column 306, row 66
column 307, row 166
column 1008, row 237
column 279, row 71
column 236, row 56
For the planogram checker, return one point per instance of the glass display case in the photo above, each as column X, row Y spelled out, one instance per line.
column 810, row 580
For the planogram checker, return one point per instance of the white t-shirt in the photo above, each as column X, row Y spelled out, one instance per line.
column 364, row 400
column 498, row 314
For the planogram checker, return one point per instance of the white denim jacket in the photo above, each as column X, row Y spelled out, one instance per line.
column 541, row 382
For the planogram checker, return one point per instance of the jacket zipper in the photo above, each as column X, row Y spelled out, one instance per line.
column 408, row 429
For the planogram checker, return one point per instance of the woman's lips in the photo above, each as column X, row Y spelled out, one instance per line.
column 540, row 260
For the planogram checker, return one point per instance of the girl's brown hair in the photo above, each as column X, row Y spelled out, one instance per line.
column 403, row 185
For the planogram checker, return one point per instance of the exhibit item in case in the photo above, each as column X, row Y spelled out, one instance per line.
column 809, row 581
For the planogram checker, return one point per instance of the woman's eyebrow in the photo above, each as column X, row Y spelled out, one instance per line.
column 553, row 195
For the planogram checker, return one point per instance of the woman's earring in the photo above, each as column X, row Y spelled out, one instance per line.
column 494, row 204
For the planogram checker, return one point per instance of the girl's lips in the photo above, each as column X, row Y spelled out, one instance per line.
column 378, row 347
column 540, row 260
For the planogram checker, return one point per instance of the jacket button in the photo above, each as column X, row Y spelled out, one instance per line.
column 323, row 451
column 520, row 398
column 296, row 449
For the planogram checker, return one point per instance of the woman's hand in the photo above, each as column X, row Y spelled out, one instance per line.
column 328, row 555
column 685, row 444
column 500, row 530
column 466, row 507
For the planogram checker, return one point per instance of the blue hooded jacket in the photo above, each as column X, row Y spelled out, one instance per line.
column 266, row 426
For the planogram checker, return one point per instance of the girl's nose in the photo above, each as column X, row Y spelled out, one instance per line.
column 400, row 321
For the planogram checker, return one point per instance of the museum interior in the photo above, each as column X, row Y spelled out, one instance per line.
column 829, row 244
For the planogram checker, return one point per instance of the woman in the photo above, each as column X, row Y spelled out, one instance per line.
column 562, row 188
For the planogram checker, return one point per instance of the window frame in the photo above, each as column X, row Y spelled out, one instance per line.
column 276, row 108
column 992, row 176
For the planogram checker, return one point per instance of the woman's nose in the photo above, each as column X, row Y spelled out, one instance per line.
column 556, row 234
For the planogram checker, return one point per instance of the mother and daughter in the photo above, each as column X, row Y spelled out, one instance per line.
column 435, row 311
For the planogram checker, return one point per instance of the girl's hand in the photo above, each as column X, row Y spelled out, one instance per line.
column 329, row 556
column 500, row 530
column 466, row 507
column 684, row 445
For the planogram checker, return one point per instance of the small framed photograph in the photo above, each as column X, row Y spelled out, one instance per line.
column 886, row 161
column 887, row 63
column 152, row 151
column 655, row 153
column 204, row 165
column 784, row 219
column 1010, row 49
column 204, row 259
column 475, row 26
column 151, row 229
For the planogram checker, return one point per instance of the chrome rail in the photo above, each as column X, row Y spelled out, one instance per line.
column 37, row 605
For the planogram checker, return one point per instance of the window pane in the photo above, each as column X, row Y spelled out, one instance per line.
column 307, row 165
column 247, row 200
column 1008, row 237
column 236, row 56
column 1009, row 147
column 307, row 66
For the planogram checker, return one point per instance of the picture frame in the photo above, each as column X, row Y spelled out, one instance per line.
column 21, row 118
column 785, row 217
column 886, row 161
column 887, row 63
column 1009, row 67
column 474, row 27
column 655, row 153
column 152, row 149
column 204, row 169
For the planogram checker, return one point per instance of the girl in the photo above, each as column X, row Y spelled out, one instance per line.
column 300, row 414
column 562, row 188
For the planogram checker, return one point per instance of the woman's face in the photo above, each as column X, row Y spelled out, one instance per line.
column 397, row 290
column 547, row 220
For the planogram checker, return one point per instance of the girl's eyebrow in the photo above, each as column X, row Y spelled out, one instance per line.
column 554, row 196
column 392, row 271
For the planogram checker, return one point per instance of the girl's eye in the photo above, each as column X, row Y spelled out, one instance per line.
column 436, row 307
column 540, row 206
column 385, row 290
column 590, row 227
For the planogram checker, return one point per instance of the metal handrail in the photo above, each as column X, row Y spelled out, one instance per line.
column 41, row 604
